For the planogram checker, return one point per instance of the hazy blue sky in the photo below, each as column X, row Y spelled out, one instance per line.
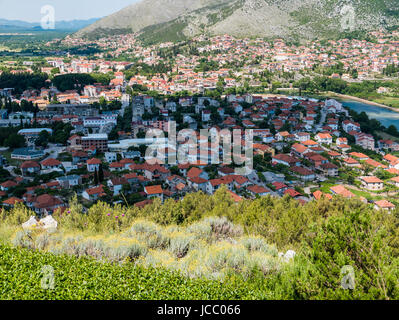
column 29, row 10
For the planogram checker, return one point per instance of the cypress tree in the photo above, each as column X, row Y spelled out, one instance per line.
column 95, row 176
column 100, row 173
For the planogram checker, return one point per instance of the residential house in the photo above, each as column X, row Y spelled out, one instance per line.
column 30, row 167
column 303, row 173
column 47, row 204
column 372, row 183
column 256, row 190
column 285, row 160
column 51, row 164
column 95, row 193
column 384, row 205
column 154, row 191
column 93, row 164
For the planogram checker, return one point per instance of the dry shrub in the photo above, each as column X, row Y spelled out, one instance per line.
column 180, row 244
column 148, row 233
column 254, row 243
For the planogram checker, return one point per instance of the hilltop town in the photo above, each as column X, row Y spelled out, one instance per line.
column 303, row 148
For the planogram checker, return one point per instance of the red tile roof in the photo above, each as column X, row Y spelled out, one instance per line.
column 50, row 162
column 29, row 164
column 12, row 201
column 150, row 190
column 93, row 161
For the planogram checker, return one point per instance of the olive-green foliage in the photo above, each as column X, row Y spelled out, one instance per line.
column 86, row 279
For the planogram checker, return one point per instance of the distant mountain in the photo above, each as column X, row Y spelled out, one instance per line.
column 172, row 20
column 72, row 25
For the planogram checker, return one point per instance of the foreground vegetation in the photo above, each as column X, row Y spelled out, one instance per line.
column 205, row 247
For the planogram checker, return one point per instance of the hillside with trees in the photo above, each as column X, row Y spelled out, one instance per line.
column 212, row 243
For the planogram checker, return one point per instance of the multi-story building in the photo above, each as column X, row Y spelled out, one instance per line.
column 366, row 141
column 99, row 141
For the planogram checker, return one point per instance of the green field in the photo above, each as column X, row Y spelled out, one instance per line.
column 389, row 101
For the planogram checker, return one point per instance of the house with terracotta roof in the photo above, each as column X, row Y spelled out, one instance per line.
column 302, row 136
column 292, row 193
column 155, row 171
column 393, row 171
column 334, row 154
column 47, row 204
column 116, row 166
column 225, row 171
column 154, row 191
column 10, row 202
column 197, row 172
column 51, row 164
column 375, row 164
column 217, row 183
column 93, row 164
column 7, row 185
column 310, row 143
column 384, row 205
column 372, row 183
column 95, row 193
column 350, row 162
column 325, row 138
column 198, row 183
column 303, row 173
column 256, row 190
column 30, row 167
column 116, row 184
column 391, row 158
column 79, row 156
column 280, row 187
column 348, row 126
column 74, row 142
column 299, row 150
column 342, row 140
column 329, row 169
column 131, row 178
column 285, row 160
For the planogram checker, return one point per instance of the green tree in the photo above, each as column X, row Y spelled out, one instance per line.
column 15, row 141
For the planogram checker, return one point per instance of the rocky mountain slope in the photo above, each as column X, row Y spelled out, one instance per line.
column 173, row 20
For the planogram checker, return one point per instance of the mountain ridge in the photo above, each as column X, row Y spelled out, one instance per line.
column 175, row 20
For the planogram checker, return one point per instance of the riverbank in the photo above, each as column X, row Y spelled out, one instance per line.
column 327, row 95
column 346, row 97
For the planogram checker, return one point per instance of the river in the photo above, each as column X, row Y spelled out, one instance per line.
column 385, row 116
